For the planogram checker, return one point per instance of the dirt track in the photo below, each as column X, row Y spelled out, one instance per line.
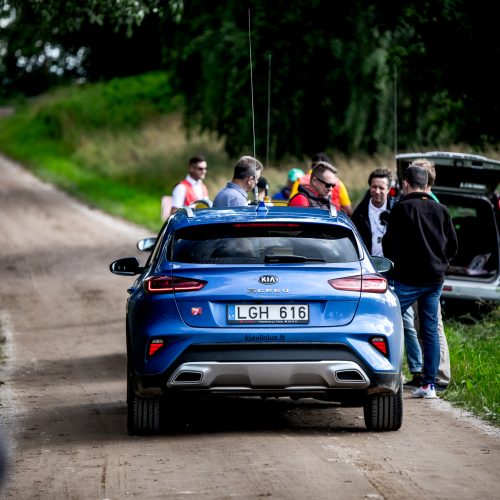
column 63, row 397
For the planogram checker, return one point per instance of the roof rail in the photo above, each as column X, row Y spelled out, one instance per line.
column 188, row 210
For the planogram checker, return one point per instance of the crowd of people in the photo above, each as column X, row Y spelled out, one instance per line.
column 414, row 231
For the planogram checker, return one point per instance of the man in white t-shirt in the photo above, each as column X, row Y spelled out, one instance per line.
column 192, row 188
column 370, row 215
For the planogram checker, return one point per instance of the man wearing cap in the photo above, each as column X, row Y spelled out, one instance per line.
column 420, row 240
column 292, row 176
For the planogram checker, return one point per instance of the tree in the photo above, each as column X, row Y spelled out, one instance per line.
column 333, row 66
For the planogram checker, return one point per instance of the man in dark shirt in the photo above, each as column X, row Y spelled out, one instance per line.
column 420, row 240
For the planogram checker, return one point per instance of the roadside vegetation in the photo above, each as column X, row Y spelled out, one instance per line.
column 121, row 145
column 475, row 360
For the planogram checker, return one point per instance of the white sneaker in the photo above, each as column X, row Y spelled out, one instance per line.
column 426, row 391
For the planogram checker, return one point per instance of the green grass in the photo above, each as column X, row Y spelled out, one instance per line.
column 121, row 145
column 475, row 361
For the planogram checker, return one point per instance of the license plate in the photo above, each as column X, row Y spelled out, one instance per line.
column 268, row 313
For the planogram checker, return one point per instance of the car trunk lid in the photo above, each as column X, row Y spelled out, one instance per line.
column 290, row 286
column 457, row 171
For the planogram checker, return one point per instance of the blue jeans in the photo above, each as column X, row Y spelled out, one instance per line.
column 428, row 306
column 412, row 345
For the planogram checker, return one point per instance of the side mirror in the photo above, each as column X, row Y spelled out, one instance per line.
column 146, row 244
column 382, row 265
column 129, row 266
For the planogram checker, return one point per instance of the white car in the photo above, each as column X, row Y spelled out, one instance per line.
column 467, row 185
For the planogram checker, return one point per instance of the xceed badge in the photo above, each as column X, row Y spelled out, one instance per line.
column 268, row 279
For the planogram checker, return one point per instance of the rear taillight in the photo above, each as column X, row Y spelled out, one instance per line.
column 169, row 284
column 380, row 343
column 154, row 346
column 370, row 283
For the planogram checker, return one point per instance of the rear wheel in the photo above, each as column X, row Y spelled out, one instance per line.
column 384, row 413
column 143, row 415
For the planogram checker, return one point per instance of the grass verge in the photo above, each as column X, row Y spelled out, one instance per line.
column 475, row 361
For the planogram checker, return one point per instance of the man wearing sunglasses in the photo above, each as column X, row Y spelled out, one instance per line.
column 191, row 189
column 339, row 194
column 320, row 191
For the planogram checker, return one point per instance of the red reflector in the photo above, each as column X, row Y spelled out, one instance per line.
column 370, row 283
column 169, row 284
column 155, row 346
column 447, row 288
column 380, row 344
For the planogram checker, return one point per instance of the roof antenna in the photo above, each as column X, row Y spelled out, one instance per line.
column 255, row 189
column 394, row 188
column 251, row 79
column 268, row 110
column 395, row 115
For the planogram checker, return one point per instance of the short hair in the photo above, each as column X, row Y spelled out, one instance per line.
column 263, row 185
column 416, row 176
column 247, row 166
column 196, row 159
column 321, row 167
column 430, row 166
column 320, row 157
column 380, row 173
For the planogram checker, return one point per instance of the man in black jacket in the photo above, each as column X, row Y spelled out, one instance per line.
column 420, row 240
column 370, row 218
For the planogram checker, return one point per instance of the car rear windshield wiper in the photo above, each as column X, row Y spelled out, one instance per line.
column 290, row 258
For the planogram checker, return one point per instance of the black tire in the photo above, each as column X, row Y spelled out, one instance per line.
column 130, row 386
column 384, row 413
column 143, row 415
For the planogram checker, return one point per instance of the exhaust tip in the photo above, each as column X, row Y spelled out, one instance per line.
column 189, row 377
column 349, row 376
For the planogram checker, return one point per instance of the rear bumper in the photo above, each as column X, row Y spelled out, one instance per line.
column 470, row 289
column 342, row 381
column 288, row 376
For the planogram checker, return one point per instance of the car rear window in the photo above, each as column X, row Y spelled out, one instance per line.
column 257, row 243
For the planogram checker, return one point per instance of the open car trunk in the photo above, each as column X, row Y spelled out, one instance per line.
column 466, row 184
column 478, row 256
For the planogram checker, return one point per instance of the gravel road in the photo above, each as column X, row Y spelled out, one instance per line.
column 62, row 393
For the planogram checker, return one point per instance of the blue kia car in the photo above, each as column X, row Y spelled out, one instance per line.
column 261, row 301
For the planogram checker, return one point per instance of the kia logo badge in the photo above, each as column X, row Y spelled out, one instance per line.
column 268, row 280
